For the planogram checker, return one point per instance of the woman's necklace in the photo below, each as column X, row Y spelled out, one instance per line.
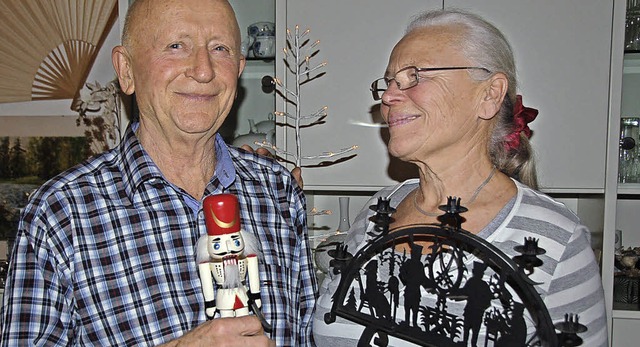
column 471, row 200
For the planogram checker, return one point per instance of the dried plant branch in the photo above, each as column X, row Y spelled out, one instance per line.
column 103, row 129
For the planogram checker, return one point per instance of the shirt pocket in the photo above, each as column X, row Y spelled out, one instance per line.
column 278, row 294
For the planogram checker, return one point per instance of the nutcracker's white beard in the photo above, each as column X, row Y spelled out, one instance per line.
column 231, row 276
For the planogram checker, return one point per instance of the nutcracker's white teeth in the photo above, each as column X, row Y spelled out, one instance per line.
column 230, row 259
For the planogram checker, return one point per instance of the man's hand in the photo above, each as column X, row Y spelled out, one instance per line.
column 296, row 172
column 225, row 332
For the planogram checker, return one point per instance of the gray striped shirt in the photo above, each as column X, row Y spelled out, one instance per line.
column 569, row 277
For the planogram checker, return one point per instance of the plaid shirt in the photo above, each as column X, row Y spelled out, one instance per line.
column 105, row 253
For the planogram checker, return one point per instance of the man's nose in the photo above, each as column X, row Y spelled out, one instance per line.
column 202, row 66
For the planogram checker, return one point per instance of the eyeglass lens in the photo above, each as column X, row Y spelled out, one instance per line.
column 408, row 77
column 404, row 79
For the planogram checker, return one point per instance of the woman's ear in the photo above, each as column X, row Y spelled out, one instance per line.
column 495, row 89
column 121, row 60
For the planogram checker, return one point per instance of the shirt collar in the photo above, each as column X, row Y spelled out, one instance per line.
column 138, row 167
column 234, row 163
column 225, row 170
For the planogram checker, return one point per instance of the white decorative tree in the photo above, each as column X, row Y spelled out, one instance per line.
column 298, row 54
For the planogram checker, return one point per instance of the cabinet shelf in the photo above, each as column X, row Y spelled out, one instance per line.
column 629, row 189
column 266, row 60
column 619, row 312
column 258, row 68
column 631, row 62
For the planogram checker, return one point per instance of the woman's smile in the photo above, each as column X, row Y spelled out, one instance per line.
column 401, row 120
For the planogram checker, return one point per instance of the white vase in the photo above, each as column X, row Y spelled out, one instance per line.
column 344, row 214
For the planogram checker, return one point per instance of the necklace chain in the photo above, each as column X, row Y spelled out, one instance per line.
column 471, row 200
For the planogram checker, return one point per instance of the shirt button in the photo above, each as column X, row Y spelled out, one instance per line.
column 156, row 183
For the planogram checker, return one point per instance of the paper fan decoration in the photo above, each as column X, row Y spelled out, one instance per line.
column 49, row 46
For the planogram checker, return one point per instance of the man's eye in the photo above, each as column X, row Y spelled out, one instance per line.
column 175, row 45
column 216, row 246
column 221, row 48
column 237, row 243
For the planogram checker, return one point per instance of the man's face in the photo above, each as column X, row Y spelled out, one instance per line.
column 224, row 245
column 185, row 64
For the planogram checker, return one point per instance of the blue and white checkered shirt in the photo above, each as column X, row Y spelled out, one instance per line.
column 105, row 253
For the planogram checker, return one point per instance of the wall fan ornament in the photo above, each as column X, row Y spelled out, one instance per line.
column 473, row 286
column 49, row 46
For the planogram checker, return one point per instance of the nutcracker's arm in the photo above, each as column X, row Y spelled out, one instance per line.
column 254, row 279
column 207, row 289
column 254, row 291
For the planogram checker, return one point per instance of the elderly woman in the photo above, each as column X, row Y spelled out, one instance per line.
column 449, row 98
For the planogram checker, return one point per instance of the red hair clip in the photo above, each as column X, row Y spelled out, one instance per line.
column 522, row 116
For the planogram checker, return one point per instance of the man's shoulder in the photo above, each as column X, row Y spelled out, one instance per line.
column 97, row 170
column 257, row 166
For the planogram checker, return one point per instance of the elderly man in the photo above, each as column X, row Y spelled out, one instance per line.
column 105, row 253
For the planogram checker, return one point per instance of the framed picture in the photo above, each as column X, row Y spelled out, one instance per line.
column 33, row 149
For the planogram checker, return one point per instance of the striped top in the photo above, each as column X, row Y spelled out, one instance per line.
column 106, row 252
column 569, row 277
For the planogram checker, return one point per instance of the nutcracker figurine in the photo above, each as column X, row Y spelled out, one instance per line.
column 226, row 264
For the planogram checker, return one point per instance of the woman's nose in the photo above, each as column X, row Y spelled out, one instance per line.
column 393, row 93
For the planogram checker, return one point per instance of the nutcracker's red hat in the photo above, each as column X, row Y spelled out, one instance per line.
column 221, row 214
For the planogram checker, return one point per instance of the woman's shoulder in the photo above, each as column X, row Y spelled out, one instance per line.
column 398, row 191
column 534, row 203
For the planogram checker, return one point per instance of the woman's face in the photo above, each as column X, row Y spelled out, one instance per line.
column 437, row 117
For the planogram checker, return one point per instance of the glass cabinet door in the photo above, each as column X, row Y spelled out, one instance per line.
column 252, row 115
column 627, row 242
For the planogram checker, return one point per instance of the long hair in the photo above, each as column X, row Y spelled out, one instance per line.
column 485, row 46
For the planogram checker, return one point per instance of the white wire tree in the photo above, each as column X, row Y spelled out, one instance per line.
column 298, row 53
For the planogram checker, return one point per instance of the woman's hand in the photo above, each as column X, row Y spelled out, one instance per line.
column 296, row 172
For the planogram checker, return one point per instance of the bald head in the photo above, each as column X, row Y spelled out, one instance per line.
column 141, row 11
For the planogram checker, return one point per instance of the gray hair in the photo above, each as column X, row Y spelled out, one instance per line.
column 485, row 46
column 128, row 23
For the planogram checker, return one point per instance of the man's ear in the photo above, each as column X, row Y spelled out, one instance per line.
column 492, row 95
column 241, row 65
column 121, row 60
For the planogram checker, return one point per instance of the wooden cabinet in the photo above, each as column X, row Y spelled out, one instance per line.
column 625, row 332
column 569, row 59
column 562, row 52
column 622, row 200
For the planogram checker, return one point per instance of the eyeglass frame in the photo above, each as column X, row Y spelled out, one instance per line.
column 376, row 92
